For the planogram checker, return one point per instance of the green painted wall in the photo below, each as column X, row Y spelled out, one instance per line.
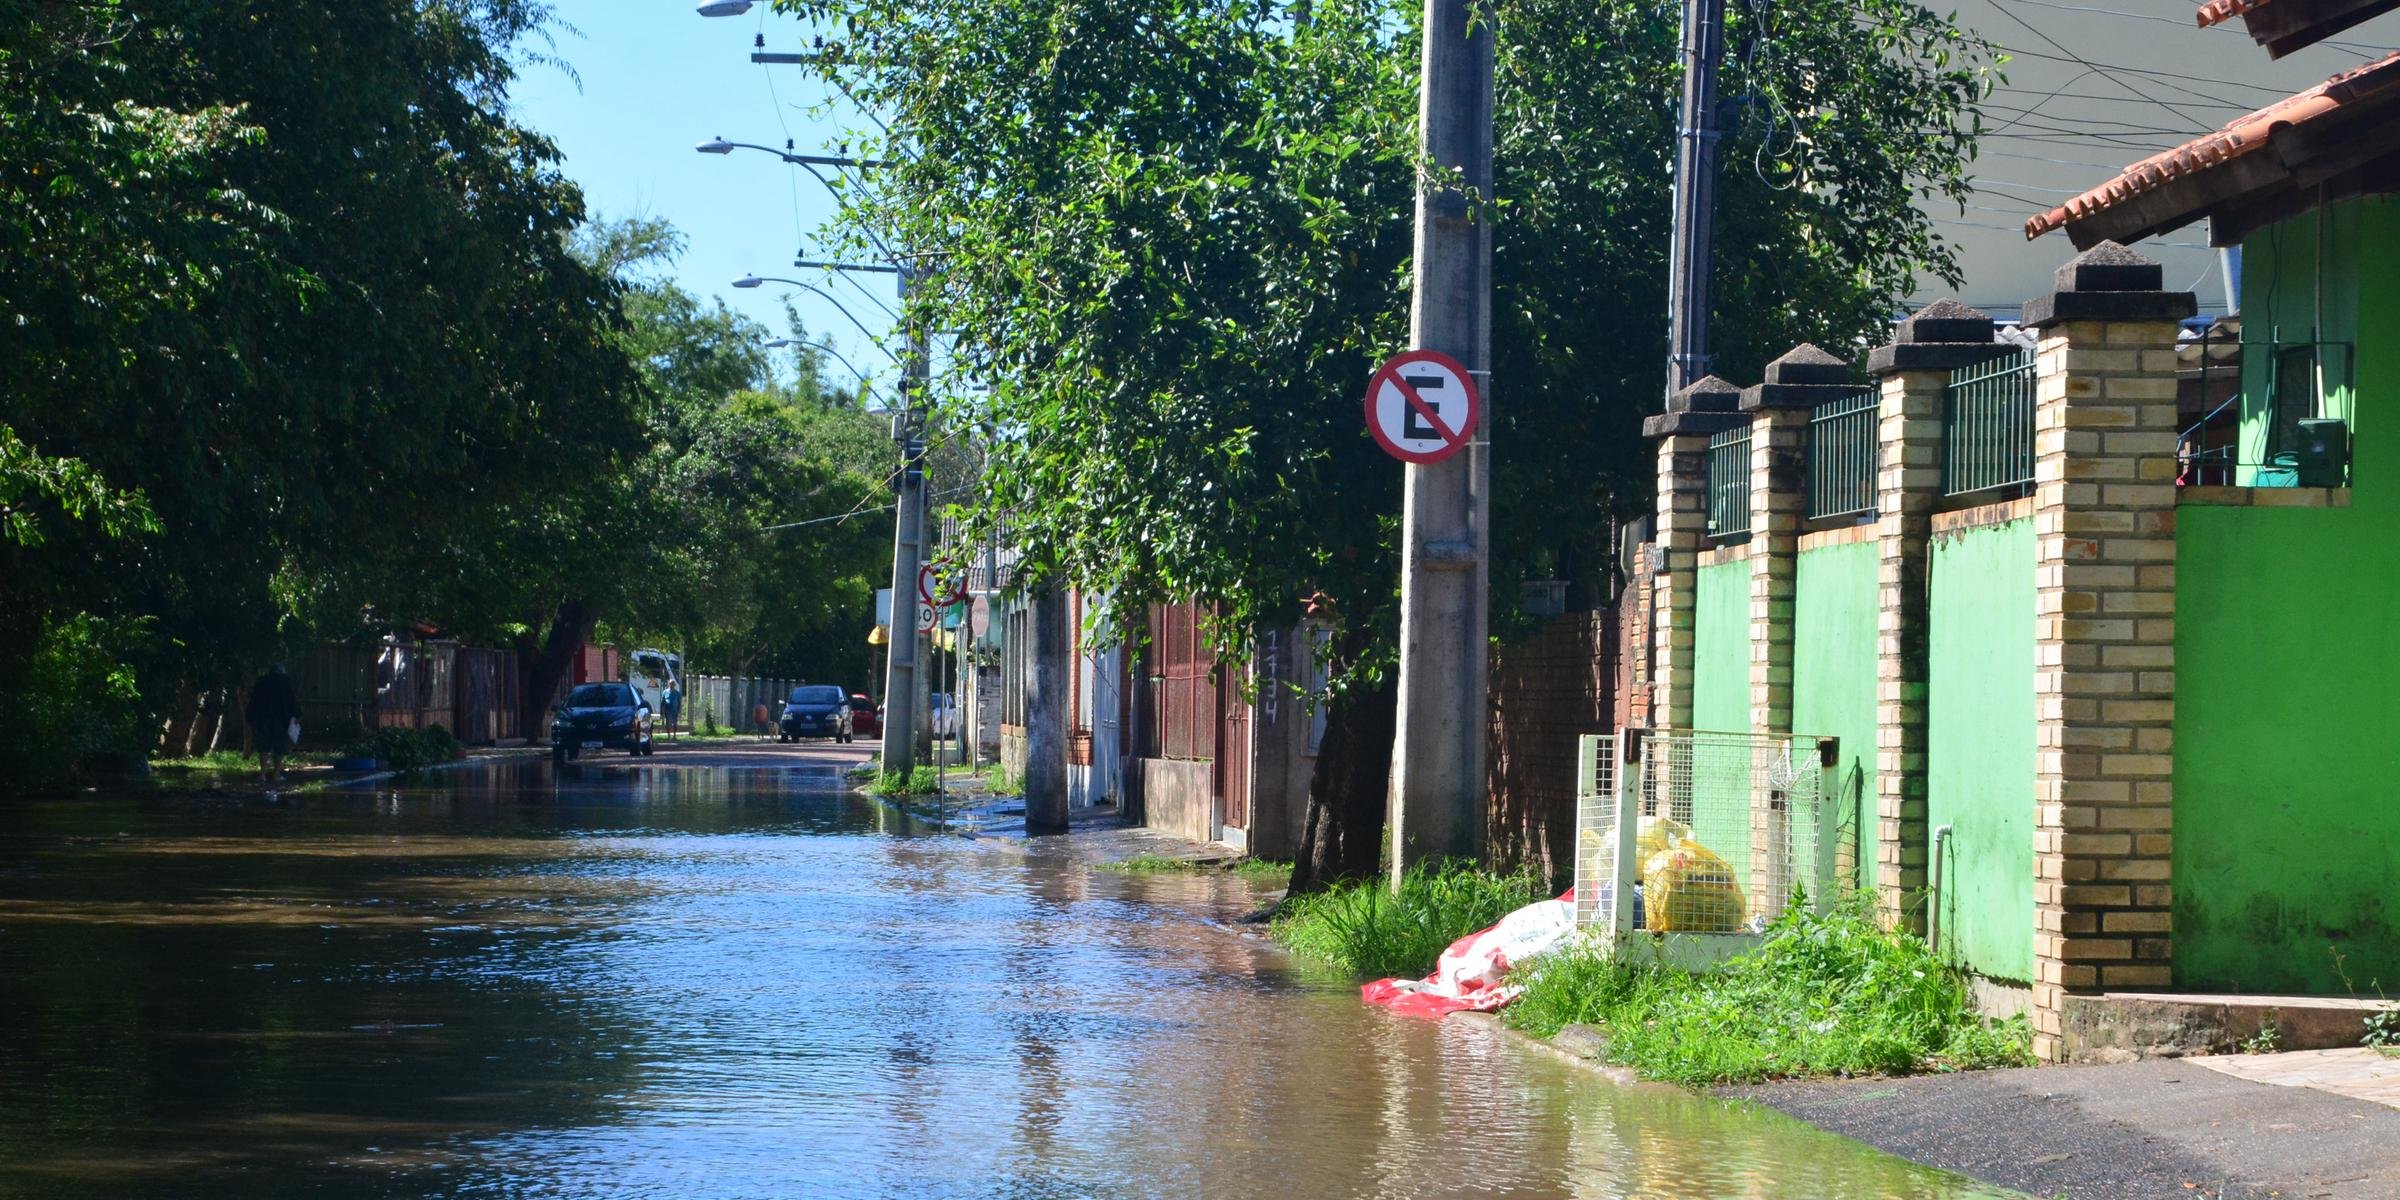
column 2287, row 299
column 1721, row 648
column 1980, row 743
column 2287, row 704
column 1833, row 668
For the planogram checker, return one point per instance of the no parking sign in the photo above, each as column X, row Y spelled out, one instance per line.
column 1422, row 406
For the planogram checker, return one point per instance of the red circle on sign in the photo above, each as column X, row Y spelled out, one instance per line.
column 1453, row 440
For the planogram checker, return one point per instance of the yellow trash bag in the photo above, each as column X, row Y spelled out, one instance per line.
column 1686, row 888
column 1657, row 834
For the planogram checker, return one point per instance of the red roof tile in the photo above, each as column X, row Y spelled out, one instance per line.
column 2240, row 137
column 2217, row 12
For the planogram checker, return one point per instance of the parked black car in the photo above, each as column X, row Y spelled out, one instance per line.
column 597, row 715
column 815, row 710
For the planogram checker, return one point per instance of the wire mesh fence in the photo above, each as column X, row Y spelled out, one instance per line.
column 1711, row 833
column 1841, row 456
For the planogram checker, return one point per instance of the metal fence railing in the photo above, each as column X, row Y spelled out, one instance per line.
column 1987, row 434
column 1841, row 457
column 1729, row 483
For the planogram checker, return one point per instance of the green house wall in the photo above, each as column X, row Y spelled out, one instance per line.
column 1834, row 613
column 1721, row 648
column 1980, row 743
column 2287, row 684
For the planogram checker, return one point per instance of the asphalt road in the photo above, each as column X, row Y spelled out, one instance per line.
column 2133, row 1131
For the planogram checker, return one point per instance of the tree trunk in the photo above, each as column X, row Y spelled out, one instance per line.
column 1349, row 790
column 1048, row 662
column 550, row 664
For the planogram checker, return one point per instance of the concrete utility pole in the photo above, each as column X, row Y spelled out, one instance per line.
column 1695, row 195
column 1437, row 791
column 1046, row 665
column 901, row 680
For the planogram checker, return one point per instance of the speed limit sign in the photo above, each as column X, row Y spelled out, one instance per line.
column 927, row 616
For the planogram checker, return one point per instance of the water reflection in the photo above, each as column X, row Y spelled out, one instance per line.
column 617, row 980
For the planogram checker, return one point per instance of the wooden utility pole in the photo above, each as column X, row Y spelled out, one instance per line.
column 1695, row 195
column 1437, row 756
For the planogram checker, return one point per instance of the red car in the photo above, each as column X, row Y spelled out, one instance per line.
column 865, row 717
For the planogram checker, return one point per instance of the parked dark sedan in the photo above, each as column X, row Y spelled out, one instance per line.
column 597, row 715
column 815, row 710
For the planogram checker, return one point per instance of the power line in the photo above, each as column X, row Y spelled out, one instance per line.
column 2003, row 6
column 2184, row 22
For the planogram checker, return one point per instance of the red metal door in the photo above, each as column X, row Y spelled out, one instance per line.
column 1232, row 773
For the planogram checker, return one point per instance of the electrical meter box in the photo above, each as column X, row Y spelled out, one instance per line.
column 2324, row 452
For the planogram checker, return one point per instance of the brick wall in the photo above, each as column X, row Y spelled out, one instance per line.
column 1545, row 692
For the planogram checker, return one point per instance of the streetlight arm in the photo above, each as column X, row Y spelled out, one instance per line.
column 826, row 348
column 872, row 336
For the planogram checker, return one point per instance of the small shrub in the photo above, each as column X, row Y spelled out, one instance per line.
column 1369, row 928
column 406, row 749
column 1822, row 995
column 78, row 704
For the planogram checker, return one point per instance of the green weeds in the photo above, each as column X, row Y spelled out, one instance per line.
column 997, row 779
column 236, row 760
column 1821, row 995
column 2267, row 1040
column 1370, row 929
column 919, row 781
column 1263, row 872
column 2383, row 1030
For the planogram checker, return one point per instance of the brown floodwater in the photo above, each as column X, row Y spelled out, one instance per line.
column 630, row 981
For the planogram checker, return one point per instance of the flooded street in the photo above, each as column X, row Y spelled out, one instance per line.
column 667, row 981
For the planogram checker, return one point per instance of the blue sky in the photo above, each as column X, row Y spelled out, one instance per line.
column 657, row 78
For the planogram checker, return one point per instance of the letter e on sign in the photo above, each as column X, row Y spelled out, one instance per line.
column 1422, row 406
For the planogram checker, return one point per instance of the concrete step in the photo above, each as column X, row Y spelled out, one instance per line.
column 2125, row 1026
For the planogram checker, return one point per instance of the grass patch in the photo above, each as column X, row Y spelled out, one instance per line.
column 919, row 781
column 1264, row 872
column 1822, row 995
column 997, row 779
column 235, row 760
column 1370, row 929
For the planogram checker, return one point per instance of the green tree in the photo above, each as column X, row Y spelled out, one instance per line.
column 292, row 276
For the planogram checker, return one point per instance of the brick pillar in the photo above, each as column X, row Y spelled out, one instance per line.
column 1779, row 410
column 1693, row 415
column 2104, row 604
column 1912, row 374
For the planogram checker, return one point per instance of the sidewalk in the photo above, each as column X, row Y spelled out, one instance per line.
column 2129, row 1131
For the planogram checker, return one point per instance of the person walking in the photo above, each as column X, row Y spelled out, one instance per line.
column 670, row 703
column 274, row 718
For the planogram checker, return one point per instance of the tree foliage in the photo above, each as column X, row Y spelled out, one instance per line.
column 1173, row 235
column 292, row 276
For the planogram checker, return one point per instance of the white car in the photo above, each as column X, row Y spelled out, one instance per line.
column 945, row 716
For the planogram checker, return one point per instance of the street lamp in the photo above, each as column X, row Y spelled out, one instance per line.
column 724, row 8
column 718, row 145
